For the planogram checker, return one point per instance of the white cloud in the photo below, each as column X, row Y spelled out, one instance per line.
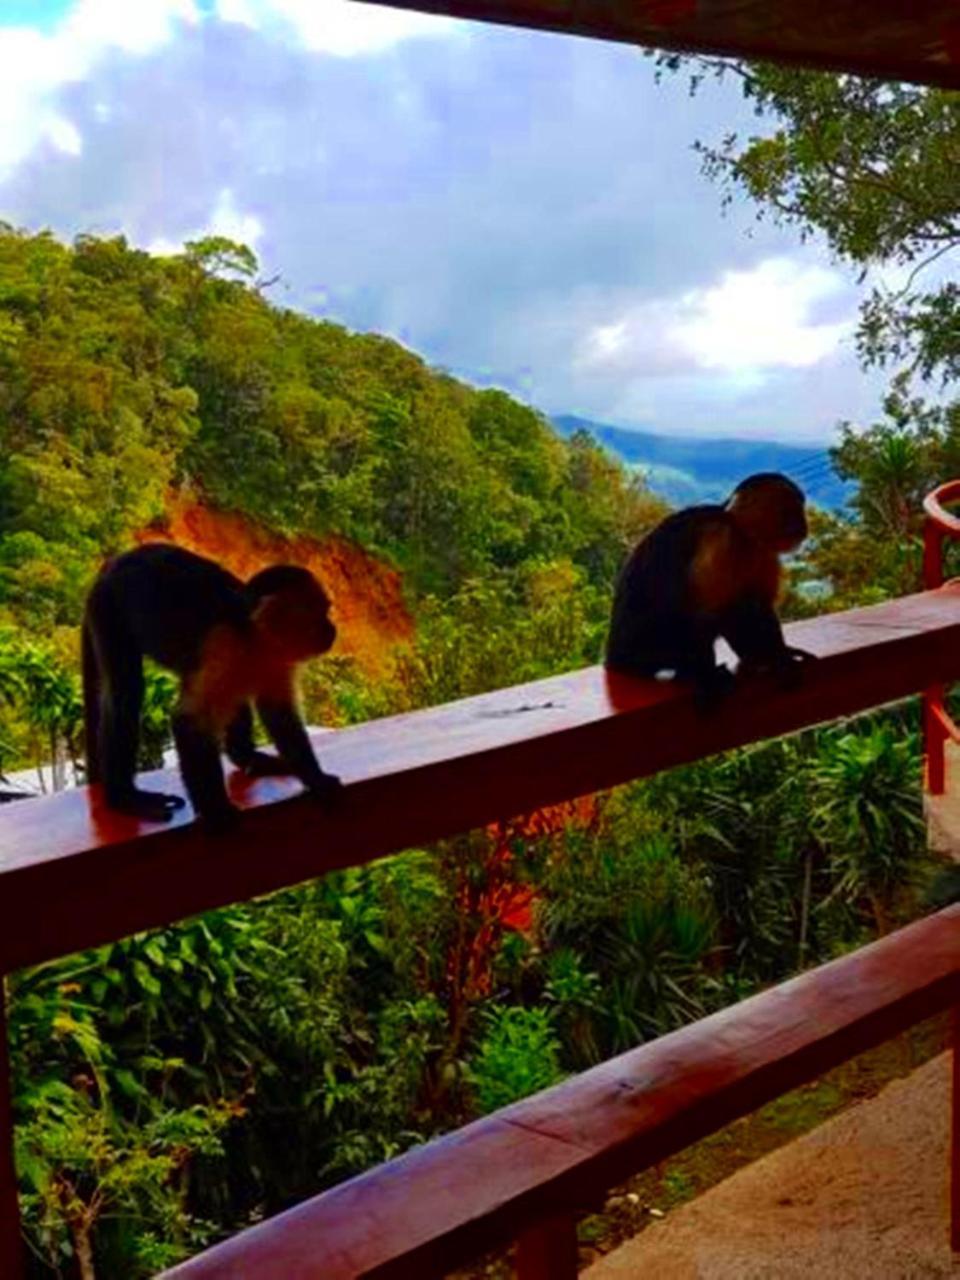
column 34, row 66
column 242, row 11
column 749, row 323
column 65, row 136
column 346, row 28
column 225, row 220
column 761, row 318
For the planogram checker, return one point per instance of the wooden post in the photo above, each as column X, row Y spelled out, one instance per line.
column 548, row 1251
column 935, row 739
column 11, row 1245
column 955, row 1137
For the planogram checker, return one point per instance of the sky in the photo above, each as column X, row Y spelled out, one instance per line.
column 524, row 210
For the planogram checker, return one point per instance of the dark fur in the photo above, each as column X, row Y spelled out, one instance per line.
column 658, row 623
column 163, row 602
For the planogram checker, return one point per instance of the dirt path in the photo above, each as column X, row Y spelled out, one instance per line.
column 862, row 1197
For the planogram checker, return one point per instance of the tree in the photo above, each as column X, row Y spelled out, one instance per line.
column 867, row 814
column 871, row 166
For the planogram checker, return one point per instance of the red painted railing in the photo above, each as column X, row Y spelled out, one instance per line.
column 73, row 875
column 526, row 1171
column 938, row 725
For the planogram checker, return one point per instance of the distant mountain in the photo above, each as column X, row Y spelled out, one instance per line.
column 685, row 470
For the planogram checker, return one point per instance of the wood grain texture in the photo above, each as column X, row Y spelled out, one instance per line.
column 73, row 874
column 894, row 39
column 558, row 1151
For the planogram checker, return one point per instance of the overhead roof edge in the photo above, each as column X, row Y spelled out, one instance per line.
column 907, row 40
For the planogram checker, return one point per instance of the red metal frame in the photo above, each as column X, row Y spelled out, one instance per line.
column 937, row 724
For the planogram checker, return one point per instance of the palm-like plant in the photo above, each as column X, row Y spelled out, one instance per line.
column 867, row 814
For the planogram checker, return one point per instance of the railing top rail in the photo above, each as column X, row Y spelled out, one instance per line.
column 935, row 503
column 474, row 1189
column 73, row 875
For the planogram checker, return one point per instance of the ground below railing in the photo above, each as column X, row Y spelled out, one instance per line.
column 861, row 1197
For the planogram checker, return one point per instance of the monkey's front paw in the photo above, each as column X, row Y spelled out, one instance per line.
column 151, row 806
column 801, row 655
column 327, row 790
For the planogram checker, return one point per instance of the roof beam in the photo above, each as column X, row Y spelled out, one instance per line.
column 915, row 40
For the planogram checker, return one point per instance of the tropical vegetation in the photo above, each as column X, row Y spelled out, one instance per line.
column 173, row 1087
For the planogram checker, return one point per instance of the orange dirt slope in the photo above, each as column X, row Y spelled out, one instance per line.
column 368, row 605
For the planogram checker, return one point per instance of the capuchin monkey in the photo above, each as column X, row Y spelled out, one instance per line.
column 232, row 644
column 705, row 572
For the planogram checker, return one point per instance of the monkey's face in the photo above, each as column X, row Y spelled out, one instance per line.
column 788, row 526
column 772, row 511
column 297, row 621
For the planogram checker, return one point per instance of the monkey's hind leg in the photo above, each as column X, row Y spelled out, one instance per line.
column 199, row 752
column 696, row 660
column 115, row 719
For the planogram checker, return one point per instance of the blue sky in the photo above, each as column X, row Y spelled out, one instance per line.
column 523, row 209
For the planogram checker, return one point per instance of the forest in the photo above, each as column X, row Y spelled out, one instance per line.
column 173, row 1087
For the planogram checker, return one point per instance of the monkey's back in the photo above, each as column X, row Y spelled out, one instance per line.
column 166, row 600
column 653, row 607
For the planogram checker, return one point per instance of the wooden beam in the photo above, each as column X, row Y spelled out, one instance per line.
column 548, row 1250
column 13, row 1254
column 915, row 40
column 477, row 1188
column 73, row 874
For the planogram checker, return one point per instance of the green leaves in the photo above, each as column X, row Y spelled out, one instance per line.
column 870, row 166
column 868, row 816
column 518, row 1054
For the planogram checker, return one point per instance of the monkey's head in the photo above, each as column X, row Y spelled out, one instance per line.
column 292, row 610
column 770, row 508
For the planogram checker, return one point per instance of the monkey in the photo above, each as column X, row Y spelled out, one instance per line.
column 232, row 644
column 710, row 571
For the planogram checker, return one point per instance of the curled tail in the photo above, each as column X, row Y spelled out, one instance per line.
column 91, row 707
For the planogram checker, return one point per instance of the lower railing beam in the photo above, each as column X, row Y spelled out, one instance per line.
column 12, row 1262
column 548, row 1251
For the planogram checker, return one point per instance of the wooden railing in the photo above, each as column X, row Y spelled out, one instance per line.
column 73, row 874
column 525, row 1171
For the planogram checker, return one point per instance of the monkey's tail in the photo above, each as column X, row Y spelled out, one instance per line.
column 91, row 707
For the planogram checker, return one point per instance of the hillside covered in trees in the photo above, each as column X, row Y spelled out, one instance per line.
column 125, row 376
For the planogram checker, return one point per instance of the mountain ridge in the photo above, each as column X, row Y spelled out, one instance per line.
column 689, row 469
